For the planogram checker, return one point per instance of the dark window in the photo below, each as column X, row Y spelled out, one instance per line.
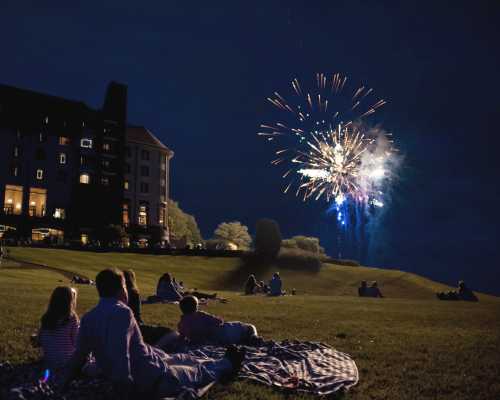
column 61, row 176
column 144, row 187
column 40, row 154
column 19, row 134
column 145, row 155
column 42, row 137
column 128, row 151
column 104, row 181
column 127, row 168
column 105, row 164
column 144, row 170
column 17, row 152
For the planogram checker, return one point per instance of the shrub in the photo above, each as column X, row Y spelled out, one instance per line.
column 305, row 243
column 297, row 259
column 267, row 238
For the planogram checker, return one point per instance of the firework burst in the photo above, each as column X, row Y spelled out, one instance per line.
column 333, row 154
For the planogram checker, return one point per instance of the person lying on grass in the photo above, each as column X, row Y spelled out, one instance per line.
column 463, row 293
column 111, row 333
column 199, row 327
column 169, row 290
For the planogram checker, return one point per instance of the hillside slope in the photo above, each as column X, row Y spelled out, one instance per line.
column 228, row 274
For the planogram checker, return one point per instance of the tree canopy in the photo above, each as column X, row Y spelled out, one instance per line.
column 234, row 232
column 182, row 224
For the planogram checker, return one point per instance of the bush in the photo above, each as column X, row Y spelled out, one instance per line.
column 267, row 238
column 297, row 259
column 305, row 243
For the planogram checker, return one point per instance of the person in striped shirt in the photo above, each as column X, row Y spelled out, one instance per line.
column 59, row 327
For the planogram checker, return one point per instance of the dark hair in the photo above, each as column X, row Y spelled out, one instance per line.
column 109, row 282
column 130, row 281
column 61, row 308
column 363, row 283
column 251, row 278
column 188, row 304
column 167, row 277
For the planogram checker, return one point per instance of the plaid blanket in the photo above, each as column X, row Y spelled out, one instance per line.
column 307, row 367
column 291, row 365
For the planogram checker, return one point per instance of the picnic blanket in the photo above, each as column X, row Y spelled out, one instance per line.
column 307, row 367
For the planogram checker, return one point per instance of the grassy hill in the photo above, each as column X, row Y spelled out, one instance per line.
column 408, row 345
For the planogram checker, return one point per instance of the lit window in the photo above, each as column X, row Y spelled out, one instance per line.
column 85, row 179
column 106, row 146
column 39, row 174
column 42, row 136
column 13, row 199
column 143, row 215
column 64, row 140
column 126, row 219
column 144, row 170
column 145, row 155
column 87, row 143
column 144, row 187
column 38, row 199
column 62, row 158
column 84, row 238
column 104, row 181
column 16, row 151
column 59, row 213
column 15, row 170
column 46, row 120
column 125, row 185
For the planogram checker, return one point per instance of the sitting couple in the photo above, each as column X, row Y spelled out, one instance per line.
column 273, row 289
column 372, row 291
column 110, row 333
column 463, row 293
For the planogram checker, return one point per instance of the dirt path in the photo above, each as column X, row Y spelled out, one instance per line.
column 13, row 263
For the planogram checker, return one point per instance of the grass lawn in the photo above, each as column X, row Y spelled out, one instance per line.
column 407, row 346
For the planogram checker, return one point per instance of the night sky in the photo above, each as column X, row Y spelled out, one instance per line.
column 199, row 72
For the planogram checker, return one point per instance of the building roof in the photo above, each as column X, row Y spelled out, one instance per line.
column 141, row 135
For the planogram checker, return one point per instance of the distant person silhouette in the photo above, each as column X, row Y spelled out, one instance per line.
column 373, row 291
column 275, row 285
column 362, row 289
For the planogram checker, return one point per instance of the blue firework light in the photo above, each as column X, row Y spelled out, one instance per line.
column 328, row 148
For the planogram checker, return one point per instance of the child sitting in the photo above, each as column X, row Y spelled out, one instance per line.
column 59, row 327
column 200, row 327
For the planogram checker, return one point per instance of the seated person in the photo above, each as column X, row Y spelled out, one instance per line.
column 111, row 333
column 150, row 333
column 200, row 327
column 373, row 291
column 362, row 289
column 263, row 288
column 275, row 285
column 59, row 327
column 464, row 293
column 166, row 289
column 251, row 285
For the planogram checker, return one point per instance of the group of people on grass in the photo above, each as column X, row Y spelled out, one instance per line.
column 273, row 288
column 462, row 293
column 112, row 340
column 369, row 291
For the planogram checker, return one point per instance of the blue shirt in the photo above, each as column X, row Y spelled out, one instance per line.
column 110, row 332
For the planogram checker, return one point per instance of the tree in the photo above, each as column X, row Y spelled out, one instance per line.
column 234, row 232
column 267, row 238
column 182, row 225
